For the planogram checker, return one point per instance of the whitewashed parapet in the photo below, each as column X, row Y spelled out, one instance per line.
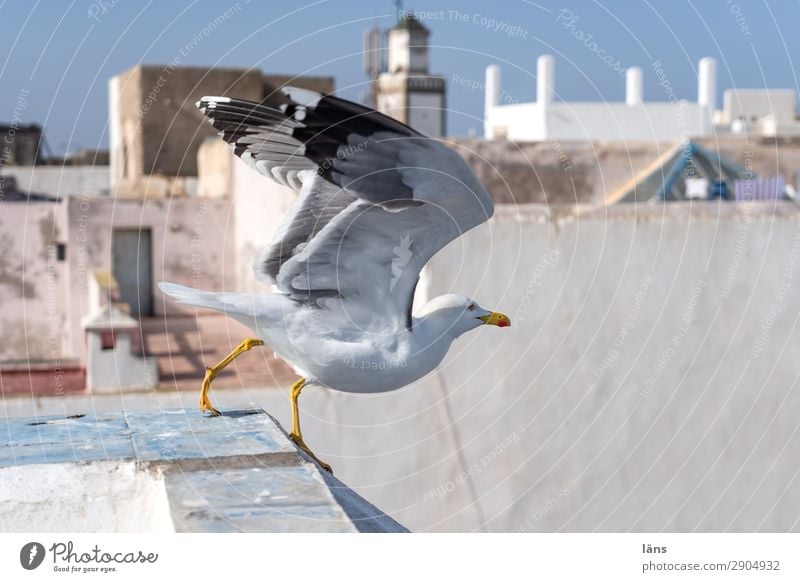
column 174, row 470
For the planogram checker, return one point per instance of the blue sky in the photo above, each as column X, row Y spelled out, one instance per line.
column 59, row 63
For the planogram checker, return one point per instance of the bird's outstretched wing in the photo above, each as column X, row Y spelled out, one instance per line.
column 377, row 199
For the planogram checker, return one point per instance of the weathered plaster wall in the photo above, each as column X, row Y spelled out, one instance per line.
column 568, row 172
column 33, row 283
column 159, row 128
column 156, row 130
column 214, row 172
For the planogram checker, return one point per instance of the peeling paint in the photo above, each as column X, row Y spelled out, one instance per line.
column 11, row 274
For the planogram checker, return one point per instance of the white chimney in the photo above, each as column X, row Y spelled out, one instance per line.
column 633, row 86
column 491, row 98
column 707, row 83
column 492, row 88
column 545, row 79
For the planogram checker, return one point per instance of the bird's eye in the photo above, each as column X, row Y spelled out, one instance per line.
column 471, row 307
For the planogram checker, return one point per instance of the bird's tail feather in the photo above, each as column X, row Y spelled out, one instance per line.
column 196, row 297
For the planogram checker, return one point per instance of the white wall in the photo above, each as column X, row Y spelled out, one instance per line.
column 583, row 121
column 649, row 380
column 754, row 104
column 398, row 53
column 61, row 180
column 517, row 122
column 618, row 121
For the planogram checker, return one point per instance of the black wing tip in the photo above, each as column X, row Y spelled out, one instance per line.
column 295, row 95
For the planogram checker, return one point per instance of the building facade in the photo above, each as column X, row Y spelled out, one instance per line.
column 406, row 90
column 155, row 130
column 762, row 112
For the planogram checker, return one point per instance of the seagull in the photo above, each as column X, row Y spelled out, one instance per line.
column 376, row 200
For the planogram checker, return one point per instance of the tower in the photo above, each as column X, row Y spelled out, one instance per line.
column 406, row 91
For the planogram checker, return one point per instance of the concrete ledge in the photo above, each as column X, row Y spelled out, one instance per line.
column 174, row 470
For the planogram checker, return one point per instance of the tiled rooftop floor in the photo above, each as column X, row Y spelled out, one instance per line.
column 184, row 346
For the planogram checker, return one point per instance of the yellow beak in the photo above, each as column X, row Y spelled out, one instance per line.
column 497, row 319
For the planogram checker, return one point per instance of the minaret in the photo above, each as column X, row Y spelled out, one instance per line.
column 406, row 91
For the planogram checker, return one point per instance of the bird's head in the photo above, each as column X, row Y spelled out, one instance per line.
column 458, row 314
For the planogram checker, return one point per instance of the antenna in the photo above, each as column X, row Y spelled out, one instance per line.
column 399, row 7
column 372, row 52
column 373, row 61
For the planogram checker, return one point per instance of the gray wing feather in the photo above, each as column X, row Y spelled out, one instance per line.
column 368, row 184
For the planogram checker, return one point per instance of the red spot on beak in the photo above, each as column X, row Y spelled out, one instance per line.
column 497, row 319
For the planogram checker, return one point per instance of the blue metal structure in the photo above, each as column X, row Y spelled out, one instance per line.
column 711, row 162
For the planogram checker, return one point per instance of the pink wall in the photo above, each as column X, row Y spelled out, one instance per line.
column 192, row 244
column 33, row 283
column 43, row 300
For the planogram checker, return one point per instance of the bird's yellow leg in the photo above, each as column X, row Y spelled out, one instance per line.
column 296, row 435
column 211, row 373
